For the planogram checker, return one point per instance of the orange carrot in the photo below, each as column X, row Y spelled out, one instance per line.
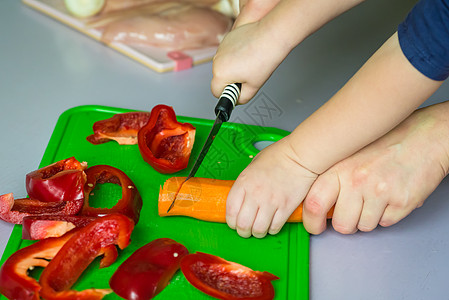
column 203, row 199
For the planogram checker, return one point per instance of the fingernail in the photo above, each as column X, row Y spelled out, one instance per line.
column 244, row 234
column 259, row 236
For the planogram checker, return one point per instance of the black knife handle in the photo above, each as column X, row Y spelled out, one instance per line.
column 227, row 101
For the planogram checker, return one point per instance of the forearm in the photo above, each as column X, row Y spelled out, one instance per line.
column 380, row 95
column 264, row 34
column 291, row 21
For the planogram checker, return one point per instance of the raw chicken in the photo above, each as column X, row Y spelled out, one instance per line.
column 114, row 5
column 93, row 10
column 178, row 26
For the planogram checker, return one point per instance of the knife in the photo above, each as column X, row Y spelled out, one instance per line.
column 223, row 110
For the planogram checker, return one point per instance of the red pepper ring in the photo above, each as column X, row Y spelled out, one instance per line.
column 148, row 270
column 226, row 280
column 79, row 251
column 165, row 143
column 61, row 181
column 131, row 202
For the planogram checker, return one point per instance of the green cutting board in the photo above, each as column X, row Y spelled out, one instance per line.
column 286, row 254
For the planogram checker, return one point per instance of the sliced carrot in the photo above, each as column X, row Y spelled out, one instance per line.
column 203, row 199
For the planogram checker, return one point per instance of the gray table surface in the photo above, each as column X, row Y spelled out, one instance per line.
column 46, row 68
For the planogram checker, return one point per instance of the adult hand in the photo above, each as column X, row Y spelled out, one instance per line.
column 386, row 180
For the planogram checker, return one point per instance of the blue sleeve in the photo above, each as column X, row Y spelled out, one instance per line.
column 424, row 38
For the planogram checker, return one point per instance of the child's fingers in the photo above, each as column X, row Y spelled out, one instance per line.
column 322, row 196
column 282, row 213
column 247, row 93
column 263, row 221
column 234, row 204
column 246, row 217
column 279, row 220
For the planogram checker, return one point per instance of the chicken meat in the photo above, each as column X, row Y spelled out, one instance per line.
column 177, row 26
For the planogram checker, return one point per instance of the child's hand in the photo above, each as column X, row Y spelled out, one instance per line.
column 248, row 54
column 268, row 191
column 263, row 34
column 386, row 180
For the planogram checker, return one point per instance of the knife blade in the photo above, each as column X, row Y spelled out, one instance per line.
column 223, row 110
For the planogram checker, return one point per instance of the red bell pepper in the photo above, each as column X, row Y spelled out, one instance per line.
column 226, row 280
column 122, row 128
column 14, row 280
column 45, row 226
column 79, row 251
column 165, row 143
column 64, row 259
column 13, row 211
column 131, row 202
column 148, row 270
column 61, row 181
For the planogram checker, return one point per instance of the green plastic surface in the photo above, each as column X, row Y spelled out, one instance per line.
column 286, row 254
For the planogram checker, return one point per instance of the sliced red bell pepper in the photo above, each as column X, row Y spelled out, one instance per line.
column 79, row 251
column 45, row 226
column 122, row 128
column 148, row 270
column 131, row 202
column 13, row 211
column 14, row 280
column 62, row 181
column 226, row 280
column 64, row 259
column 165, row 143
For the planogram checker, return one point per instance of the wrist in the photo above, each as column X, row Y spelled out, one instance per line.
column 295, row 156
column 284, row 30
column 292, row 21
column 437, row 118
